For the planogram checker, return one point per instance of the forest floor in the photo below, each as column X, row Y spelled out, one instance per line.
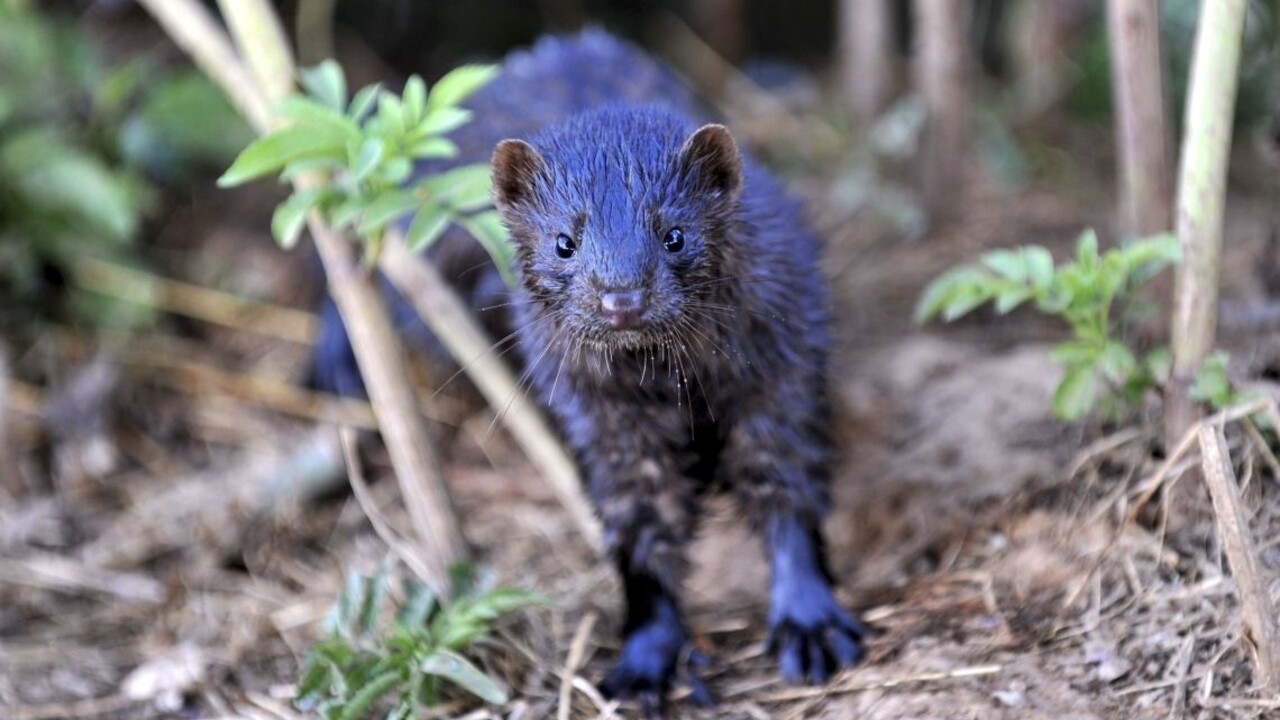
column 195, row 528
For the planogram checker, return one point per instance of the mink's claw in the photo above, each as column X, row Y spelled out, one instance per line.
column 651, row 660
column 811, row 652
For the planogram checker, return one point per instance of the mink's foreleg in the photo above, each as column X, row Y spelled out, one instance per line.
column 776, row 460
column 649, row 509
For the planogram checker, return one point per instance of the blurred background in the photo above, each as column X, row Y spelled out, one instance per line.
column 175, row 521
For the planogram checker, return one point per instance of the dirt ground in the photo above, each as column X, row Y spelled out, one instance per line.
column 195, row 528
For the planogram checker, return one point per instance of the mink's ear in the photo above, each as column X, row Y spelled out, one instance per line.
column 516, row 166
column 711, row 160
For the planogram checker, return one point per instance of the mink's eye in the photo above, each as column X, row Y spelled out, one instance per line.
column 674, row 240
column 565, row 246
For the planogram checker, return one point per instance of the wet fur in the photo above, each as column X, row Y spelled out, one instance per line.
column 723, row 387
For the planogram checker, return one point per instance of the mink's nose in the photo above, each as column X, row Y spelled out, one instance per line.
column 623, row 308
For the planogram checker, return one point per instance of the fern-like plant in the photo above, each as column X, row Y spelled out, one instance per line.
column 371, row 654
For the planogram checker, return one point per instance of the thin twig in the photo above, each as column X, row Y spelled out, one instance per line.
column 1255, row 603
column 381, row 525
column 577, row 650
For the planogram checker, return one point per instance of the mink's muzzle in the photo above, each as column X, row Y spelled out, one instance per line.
column 623, row 308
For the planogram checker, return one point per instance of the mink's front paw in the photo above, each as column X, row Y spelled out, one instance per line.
column 651, row 660
column 812, row 635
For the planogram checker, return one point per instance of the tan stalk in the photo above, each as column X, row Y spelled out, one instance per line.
column 1202, row 189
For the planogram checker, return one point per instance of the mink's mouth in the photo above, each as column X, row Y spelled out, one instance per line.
column 640, row 338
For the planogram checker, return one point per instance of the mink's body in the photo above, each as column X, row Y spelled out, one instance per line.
column 674, row 322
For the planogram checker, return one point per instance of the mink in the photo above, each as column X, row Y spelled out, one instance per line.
column 672, row 319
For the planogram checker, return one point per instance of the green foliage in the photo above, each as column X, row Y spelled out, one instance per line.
column 370, row 654
column 80, row 143
column 1083, row 293
column 366, row 147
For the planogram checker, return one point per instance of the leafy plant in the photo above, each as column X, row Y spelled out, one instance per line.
column 366, row 147
column 80, row 144
column 1084, row 294
column 370, row 654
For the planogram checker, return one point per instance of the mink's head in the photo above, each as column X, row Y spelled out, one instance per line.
column 621, row 221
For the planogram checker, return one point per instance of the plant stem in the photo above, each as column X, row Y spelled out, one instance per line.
column 1201, row 199
column 264, row 46
column 197, row 32
column 377, row 348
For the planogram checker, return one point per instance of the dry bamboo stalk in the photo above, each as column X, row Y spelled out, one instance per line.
column 263, row 46
column 1255, row 604
column 1137, row 80
column 197, row 32
column 866, row 56
column 942, row 77
column 381, row 361
column 1201, row 199
column 431, row 296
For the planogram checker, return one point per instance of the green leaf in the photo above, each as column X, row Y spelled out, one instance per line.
column 290, row 215
column 965, row 280
column 348, row 602
column 315, row 684
column 488, row 230
column 1011, row 297
column 1159, row 364
column 375, row 595
column 1009, row 264
column 366, row 696
column 419, row 603
column 500, row 601
column 1074, row 353
column 460, row 671
column 1039, row 267
column 1087, row 250
column 273, row 151
column 396, row 170
column 313, row 117
column 464, row 189
column 363, row 102
column 433, row 147
column 1116, row 361
column 346, row 211
column 1211, row 383
column 459, row 84
column 415, row 101
column 326, row 83
column 323, row 165
column 442, row 120
column 1075, row 394
column 427, row 226
column 390, row 115
column 385, row 208
column 367, row 158
column 51, row 175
